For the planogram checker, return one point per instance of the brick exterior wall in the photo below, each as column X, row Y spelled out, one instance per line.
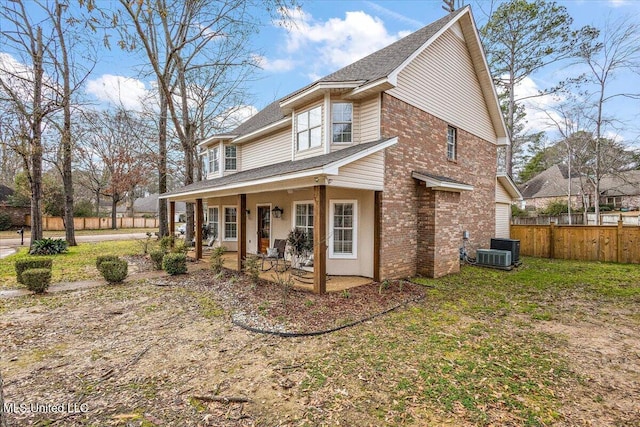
column 421, row 229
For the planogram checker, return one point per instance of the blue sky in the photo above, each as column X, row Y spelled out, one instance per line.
column 330, row 34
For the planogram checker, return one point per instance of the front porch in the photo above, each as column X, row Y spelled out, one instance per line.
column 333, row 283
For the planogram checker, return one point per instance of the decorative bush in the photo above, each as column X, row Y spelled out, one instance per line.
column 114, row 271
column 105, row 258
column 22, row 265
column 156, row 258
column 252, row 268
column 216, row 260
column 48, row 246
column 166, row 243
column 5, row 221
column 175, row 263
column 37, row 279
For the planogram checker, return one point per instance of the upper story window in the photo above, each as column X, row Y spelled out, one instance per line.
column 214, row 160
column 452, row 143
column 309, row 129
column 342, row 119
column 230, row 158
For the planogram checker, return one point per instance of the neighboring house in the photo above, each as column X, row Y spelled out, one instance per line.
column 551, row 185
column 621, row 190
column 148, row 207
column 385, row 162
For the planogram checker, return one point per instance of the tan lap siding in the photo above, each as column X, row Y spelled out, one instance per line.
column 367, row 173
column 503, row 220
column 442, row 80
column 274, row 148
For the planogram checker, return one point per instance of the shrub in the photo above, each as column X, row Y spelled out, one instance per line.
column 37, row 279
column 556, row 208
column 105, row 258
column 5, row 221
column 166, row 243
column 175, row 263
column 252, row 268
column 114, row 271
column 156, row 258
column 48, row 246
column 22, row 265
column 216, row 260
column 517, row 212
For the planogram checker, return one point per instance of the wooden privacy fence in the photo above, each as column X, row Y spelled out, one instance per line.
column 612, row 243
column 50, row 223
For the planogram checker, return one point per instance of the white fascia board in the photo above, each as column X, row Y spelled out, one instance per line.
column 510, row 186
column 211, row 139
column 263, row 130
column 393, row 76
column 383, row 84
column 503, row 140
column 442, row 185
column 318, row 87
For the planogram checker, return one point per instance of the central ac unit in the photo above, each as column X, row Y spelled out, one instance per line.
column 493, row 257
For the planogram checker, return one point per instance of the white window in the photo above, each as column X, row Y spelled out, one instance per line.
column 214, row 222
column 214, row 160
column 451, row 143
column 304, row 217
column 309, row 129
column 343, row 226
column 230, row 159
column 230, row 223
column 342, row 119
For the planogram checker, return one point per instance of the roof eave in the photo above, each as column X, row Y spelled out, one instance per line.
column 313, row 91
column 510, row 186
column 263, row 130
column 220, row 137
column 436, row 184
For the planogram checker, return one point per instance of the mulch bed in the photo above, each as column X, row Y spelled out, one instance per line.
column 270, row 307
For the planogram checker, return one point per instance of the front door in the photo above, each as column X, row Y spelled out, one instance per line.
column 264, row 228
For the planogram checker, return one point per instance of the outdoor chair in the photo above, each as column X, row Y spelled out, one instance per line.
column 275, row 256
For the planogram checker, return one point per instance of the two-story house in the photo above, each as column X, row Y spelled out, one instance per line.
column 384, row 162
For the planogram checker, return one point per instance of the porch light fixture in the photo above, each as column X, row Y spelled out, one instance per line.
column 277, row 212
column 248, row 211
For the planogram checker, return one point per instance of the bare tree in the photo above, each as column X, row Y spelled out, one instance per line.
column 616, row 49
column 181, row 39
column 23, row 85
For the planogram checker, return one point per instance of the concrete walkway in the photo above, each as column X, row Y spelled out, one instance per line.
column 5, row 251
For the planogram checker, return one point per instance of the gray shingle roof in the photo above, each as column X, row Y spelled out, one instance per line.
column 441, row 178
column 368, row 69
column 276, row 169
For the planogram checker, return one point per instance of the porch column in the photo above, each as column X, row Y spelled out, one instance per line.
column 172, row 220
column 199, row 221
column 377, row 229
column 320, row 239
column 242, row 229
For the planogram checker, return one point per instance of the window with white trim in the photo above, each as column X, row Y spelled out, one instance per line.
column 304, row 217
column 214, row 222
column 230, row 223
column 451, row 142
column 341, row 121
column 230, row 157
column 343, row 226
column 309, row 129
column 214, row 160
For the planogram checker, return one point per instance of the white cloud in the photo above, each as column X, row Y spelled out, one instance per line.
column 336, row 42
column 619, row 3
column 276, row 65
column 540, row 109
column 119, row 90
column 233, row 117
column 393, row 14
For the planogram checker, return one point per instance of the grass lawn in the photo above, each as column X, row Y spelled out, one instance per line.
column 11, row 234
column 551, row 343
column 77, row 264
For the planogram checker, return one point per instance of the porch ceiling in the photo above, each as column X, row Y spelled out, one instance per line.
column 280, row 176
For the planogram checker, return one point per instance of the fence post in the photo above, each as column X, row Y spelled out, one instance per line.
column 619, row 240
column 552, row 231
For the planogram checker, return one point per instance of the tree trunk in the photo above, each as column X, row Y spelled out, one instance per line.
column 66, row 134
column 36, row 143
column 114, row 205
column 162, row 168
